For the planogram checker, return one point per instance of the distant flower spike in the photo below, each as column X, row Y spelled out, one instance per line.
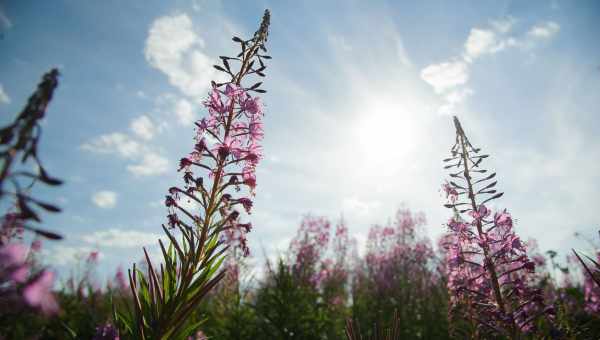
column 489, row 270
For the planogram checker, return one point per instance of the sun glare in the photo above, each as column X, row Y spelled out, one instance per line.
column 384, row 130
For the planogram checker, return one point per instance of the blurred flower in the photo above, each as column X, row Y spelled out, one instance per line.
column 38, row 293
column 106, row 332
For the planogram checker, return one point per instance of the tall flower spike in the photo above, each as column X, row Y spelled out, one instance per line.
column 217, row 172
column 18, row 144
column 489, row 270
column 591, row 282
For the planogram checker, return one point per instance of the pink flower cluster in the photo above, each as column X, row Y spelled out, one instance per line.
column 228, row 150
column 394, row 251
column 239, row 146
column 20, row 285
column 11, row 227
column 592, row 292
column 450, row 191
column 312, row 264
column 470, row 278
column 308, row 249
column 106, row 332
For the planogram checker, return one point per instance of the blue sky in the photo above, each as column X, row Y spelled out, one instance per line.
column 357, row 117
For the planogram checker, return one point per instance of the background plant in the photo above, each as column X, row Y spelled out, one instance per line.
column 490, row 273
column 25, row 286
column 397, row 277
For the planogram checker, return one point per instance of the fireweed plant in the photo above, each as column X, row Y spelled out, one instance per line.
column 23, row 286
column 19, row 144
column 304, row 294
column 396, row 278
column 591, row 283
column 223, row 161
column 489, row 269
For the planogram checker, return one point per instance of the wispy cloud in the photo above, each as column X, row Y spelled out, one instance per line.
column 184, row 112
column 450, row 78
column 544, row 30
column 503, row 25
column 4, row 98
column 151, row 164
column 67, row 255
column 143, row 127
column 5, row 22
column 354, row 206
column 146, row 161
column 105, row 199
column 112, row 143
column 119, row 238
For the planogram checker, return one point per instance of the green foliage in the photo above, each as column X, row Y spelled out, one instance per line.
column 229, row 313
column 288, row 308
column 164, row 299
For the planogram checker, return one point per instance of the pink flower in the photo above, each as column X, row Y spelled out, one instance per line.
column 247, row 203
column 252, row 105
column 38, row 293
column 253, row 154
column 481, row 213
column 214, row 103
column 233, row 91
column 256, row 129
column 450, row 191
column 184, row 163
column 93, row 256
column 458, row 226
column 249, row 177
column 36, row 245
column 106, row 332
column 122, row 283
column 13, row 254
column 229, row 146
column 503, row 219
column 198, row 336
column 20, row 274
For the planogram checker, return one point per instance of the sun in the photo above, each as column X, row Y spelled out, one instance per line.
column 384, row 130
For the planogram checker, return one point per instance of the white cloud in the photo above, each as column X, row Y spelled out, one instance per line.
column 4, row 98
column 147, row 161
column 503, row 25
column 544, row 30
column 448, row 78
column 481, row 42
column 188, row 204
column 446, row 75
column 357, row 207
column 402, row 53
column 184, row 112
column 105, row 199
column 171, row 47
column 4, row 20
column 65, row 255
column 458, row 96
column 151, row 164
column 198, row 5
column 361, row 243
column 116, row 142
column 118, row 238
column 453, row 99
column 339, row 42
column 143, row 127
